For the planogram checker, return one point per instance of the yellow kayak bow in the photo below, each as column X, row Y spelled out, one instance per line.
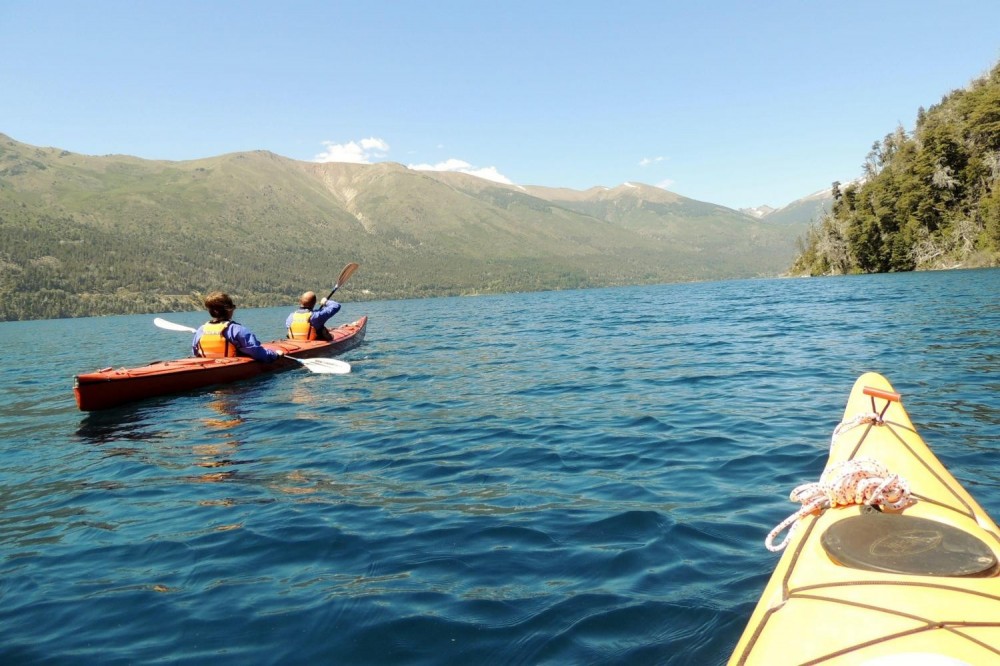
column 867, row 580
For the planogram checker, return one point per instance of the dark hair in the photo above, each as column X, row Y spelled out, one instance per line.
column 219, row 305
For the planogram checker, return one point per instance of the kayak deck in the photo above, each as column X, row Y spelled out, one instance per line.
column 110, row 387
column 856, row 585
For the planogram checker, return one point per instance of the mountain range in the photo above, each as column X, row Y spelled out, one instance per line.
column 88, row 235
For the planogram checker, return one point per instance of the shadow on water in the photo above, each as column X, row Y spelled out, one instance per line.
column 130, row 422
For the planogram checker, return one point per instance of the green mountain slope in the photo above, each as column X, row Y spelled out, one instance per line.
column 83, row 235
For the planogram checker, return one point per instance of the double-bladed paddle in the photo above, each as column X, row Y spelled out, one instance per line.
column 328, row 366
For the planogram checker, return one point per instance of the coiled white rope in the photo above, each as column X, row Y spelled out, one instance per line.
column 859, row 481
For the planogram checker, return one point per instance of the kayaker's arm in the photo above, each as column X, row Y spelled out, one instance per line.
column 249, row 345
column 327, row 309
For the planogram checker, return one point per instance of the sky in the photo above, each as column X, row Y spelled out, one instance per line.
column 735, row 103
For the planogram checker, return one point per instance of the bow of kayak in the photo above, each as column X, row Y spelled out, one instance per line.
column 915, row 584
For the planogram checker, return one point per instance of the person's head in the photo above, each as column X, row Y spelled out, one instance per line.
column 219, row 305
column 308, row 300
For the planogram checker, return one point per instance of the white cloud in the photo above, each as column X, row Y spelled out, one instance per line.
column 368, row 150
column 448, row 165
column 461, row 166
column 646, row 161
column 665, row 184
column 355, row 152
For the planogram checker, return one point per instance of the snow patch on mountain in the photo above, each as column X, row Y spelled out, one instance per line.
column 758, row 211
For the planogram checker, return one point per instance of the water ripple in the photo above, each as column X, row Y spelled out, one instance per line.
column 575, row 477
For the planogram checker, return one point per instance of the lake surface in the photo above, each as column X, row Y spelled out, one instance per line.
column 577, row 477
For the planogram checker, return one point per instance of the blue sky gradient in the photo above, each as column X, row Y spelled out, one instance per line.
column 736, row 103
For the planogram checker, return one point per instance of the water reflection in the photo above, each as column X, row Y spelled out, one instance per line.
column 308, row 393
column 212, row 437
column 227, row 405
column 228, row 416
column 123, row 423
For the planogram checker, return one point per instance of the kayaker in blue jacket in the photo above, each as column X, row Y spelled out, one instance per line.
column 308, row 324
column 222, row 337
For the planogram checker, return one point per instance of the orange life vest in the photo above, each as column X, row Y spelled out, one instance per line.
column 213, row 342
column 301, row 329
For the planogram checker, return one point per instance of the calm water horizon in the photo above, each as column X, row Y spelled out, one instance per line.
column 577, row 477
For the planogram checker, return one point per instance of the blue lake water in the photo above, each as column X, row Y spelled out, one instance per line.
column 572, row 477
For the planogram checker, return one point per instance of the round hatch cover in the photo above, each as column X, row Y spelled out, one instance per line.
column 895, row 543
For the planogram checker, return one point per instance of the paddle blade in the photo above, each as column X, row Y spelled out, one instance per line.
column 344, row 275
column 324, row 366
column 171, row 326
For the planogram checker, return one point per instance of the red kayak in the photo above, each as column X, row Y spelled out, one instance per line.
column 109, row 387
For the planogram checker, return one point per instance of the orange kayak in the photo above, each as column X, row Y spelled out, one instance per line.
column 109, row 387
column 889, row 560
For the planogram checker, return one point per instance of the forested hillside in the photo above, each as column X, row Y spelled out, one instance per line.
column 89, row 235
column 928, row 199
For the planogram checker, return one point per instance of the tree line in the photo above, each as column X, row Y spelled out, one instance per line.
column 927, row 199
column 54, row 266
